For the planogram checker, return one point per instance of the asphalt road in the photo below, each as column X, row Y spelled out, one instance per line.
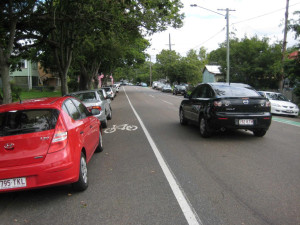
column 155, row 171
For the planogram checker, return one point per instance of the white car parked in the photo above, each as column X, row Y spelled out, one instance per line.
column 280, row 104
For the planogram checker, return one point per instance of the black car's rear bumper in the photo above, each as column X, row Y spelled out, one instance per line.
column 232, row 121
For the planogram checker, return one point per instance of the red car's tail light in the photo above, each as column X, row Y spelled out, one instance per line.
column 60, row 137
column 94, row 107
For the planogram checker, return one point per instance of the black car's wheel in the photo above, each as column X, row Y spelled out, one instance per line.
column 259, row 132
column 100, row 144
column 182, row 119
column 109, row 116
column 82, row 182
column 205, row 131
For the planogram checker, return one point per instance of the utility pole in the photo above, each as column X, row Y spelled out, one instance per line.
column 227, row 39
column 281, row 81
column 227, row 34
column 150, row 72
column 170, row 44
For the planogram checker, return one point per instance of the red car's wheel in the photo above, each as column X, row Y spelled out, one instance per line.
column 83, row 181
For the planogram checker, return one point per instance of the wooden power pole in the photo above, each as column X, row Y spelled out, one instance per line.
column 281, row 81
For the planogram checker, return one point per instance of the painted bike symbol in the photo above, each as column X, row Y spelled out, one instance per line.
column 120, row 127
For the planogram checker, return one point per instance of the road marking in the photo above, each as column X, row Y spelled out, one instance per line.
column 280, row 120
column 152, row 96
column 120, row 127
column 168, row 102
column 185, row 205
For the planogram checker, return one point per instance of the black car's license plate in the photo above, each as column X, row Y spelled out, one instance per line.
column 247, row 122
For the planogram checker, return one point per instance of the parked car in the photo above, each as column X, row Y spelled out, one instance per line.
column 154, row 84
column 179, row 89
column 117, row 87
column 47, row 142
column 94, row 99
column 114, row 89
column 159, row 86
column 219, row 106
column 110, row 92
column 144, row 84
column 166, row 88
column 280, row 104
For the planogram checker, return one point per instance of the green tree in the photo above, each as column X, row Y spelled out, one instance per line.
column 168, row 65
column 76, row 23
column 292, row 66
column 20, row 21
column 252, row 61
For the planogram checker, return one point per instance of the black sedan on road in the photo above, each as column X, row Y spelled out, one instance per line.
column 221, row 106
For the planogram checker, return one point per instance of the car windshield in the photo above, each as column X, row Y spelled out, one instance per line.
column 181, row 87
column 86, row 96
column 107, row 89
column 278, row 96
column 27, row 121
column 235, row 91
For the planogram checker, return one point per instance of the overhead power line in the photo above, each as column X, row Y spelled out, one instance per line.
column 209, row 38
column 266, row 14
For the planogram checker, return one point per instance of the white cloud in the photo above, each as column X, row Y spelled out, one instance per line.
column 204, row 28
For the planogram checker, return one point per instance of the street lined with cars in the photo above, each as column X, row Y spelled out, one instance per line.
column 230, row 178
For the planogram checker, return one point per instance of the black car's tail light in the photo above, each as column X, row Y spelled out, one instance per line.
column 217, row 103
column 222, row 103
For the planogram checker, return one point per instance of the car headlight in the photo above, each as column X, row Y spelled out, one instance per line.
column 276, row 105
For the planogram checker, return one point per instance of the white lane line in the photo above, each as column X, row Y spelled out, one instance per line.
column 152, row 96
column 168, row 102
column 185, row 205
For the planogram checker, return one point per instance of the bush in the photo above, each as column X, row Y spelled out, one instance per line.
column 15, row 92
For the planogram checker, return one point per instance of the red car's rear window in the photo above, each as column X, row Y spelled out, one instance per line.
column 27, row 121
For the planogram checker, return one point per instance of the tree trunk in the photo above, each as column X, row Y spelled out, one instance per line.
column 64, row 84
column 6, row 88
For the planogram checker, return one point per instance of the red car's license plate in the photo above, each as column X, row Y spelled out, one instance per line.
column 13, row 183
column 246, row 122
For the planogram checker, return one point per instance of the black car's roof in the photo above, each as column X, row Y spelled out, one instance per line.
column 230, row 84
column 233, row 90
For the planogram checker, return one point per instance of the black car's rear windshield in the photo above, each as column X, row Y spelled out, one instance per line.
column 235, row 91
column 27, row 121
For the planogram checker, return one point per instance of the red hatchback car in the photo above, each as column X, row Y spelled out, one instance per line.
column 45, row 142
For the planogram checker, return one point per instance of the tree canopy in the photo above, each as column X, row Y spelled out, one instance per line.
column 84, row 35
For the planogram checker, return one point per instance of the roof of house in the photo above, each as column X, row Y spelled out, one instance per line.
column 293, row 55
column 215, row 69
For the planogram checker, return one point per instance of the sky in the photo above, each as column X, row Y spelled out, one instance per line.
column 202, row 27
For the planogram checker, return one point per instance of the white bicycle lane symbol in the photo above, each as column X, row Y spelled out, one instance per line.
column 120, row 127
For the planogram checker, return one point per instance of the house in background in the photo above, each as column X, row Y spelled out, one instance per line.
column 27, row 77
column 293, row 55
column 48, row 79
column 32, row 75
column 212, row 73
